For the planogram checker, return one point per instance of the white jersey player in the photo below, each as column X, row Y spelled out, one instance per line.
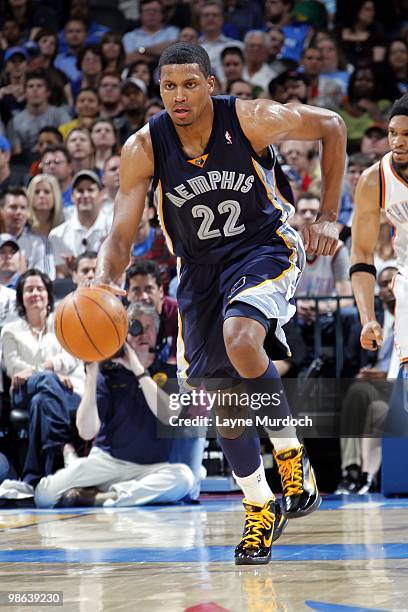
column 383, row 186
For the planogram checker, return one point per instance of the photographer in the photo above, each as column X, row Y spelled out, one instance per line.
column 129, row 464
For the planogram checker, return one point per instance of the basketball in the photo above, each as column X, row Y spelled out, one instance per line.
column 91, row 324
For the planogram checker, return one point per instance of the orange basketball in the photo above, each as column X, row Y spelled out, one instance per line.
column 91, row 323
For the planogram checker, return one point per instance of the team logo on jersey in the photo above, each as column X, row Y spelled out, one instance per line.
column 199, row 161
column 228, row 138
column 238, row 285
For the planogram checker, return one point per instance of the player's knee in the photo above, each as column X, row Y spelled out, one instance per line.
column 244, row 347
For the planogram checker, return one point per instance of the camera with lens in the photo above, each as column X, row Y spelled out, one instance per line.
column 135, row 329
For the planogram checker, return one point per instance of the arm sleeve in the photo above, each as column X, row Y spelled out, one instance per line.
column 11, row 354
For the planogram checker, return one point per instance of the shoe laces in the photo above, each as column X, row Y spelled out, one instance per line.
column 255, row 522
column 292, row 474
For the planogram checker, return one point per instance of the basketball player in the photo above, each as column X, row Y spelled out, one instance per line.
column 224, row 215
column 383, row 186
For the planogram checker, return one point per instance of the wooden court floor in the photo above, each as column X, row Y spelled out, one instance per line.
column 350, row 555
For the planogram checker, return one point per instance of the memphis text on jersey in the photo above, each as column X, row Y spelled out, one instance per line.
column 210, row 181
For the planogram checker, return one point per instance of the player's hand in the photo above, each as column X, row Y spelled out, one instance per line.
column 112, row 287
column 371, row 336
column 21, row 377
column 321, row 237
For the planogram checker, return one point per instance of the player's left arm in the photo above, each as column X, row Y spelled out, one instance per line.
column 265, row 122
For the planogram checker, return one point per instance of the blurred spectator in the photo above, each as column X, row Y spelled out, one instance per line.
column 103, row 136
column 152, row 37
column 113, row 52
column 362, row 106
column 87, row 227
column 79, row 146
column 24, row 127
column 45, row 204
column 141, row 69
column 276, row 40
column 86, row 110
column 362, row 37
column 48, row 136
column 45, row 379
column 82, row 9
column 8, row 175
column 110, row 181
column 15, row 214
column 75, row 32
column 278, row 12
column 256, row 70
column 188, row 34
column 152, row 108
column 12, row 83
column 394, row 75
column 295, row 84
column 176, row 13
column 11, row 35
column 366, row 403
column 8, row 310
column 110, row 95
column 233, row 62
column 242, row 15
column 130, row 462
column 311, row 64
column 12, row 263
column 212, row 39
column 241, row 89
column 375, row 142
column 150, row 244
column 300, row 156
column 90, row 65
column 335, row 73
column 57, row 161
column 323, row 275
column 47, row 41
column 84, row 268
column 145, row 285
column 133, row 101
column 357, row 163
column 29, row 15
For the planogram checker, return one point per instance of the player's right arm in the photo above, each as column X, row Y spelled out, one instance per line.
column 364, row 231
column 135, row 172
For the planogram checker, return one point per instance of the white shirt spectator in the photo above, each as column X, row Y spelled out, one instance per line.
column 261, row 78
column 37, row 251
column 214, row 49
column 72, row 238
column 7, row 305
column 22, row 350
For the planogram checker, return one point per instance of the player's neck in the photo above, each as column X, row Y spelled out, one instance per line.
column 194, row 138
column 402, row 173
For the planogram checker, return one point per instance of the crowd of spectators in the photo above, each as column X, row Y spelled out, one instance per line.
column 77, row 79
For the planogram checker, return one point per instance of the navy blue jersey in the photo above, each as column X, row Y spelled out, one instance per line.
column 219, row 206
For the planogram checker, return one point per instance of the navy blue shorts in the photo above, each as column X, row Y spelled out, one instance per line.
column 265, row 278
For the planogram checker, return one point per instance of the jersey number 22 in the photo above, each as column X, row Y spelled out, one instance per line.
column 230, row 207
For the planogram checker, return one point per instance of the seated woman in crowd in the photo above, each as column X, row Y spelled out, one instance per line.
column 86, row 111
column 113, row 51
column 45, row 379
column 45, row 204
column 362, row 37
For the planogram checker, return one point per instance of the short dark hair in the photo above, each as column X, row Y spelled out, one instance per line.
column 94, row 48
column 85, row 255
column 359, row 159
column 20, row 289
column 385, row 269
column 232, row 51
column 143, row 267
column 54, row 148
column 52, row 130
column 231, row 83
column 14, row 190
column 186, row 53
column 39, row 75
column 400, row 106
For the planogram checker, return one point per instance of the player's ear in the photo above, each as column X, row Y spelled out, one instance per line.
column 211, row 83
